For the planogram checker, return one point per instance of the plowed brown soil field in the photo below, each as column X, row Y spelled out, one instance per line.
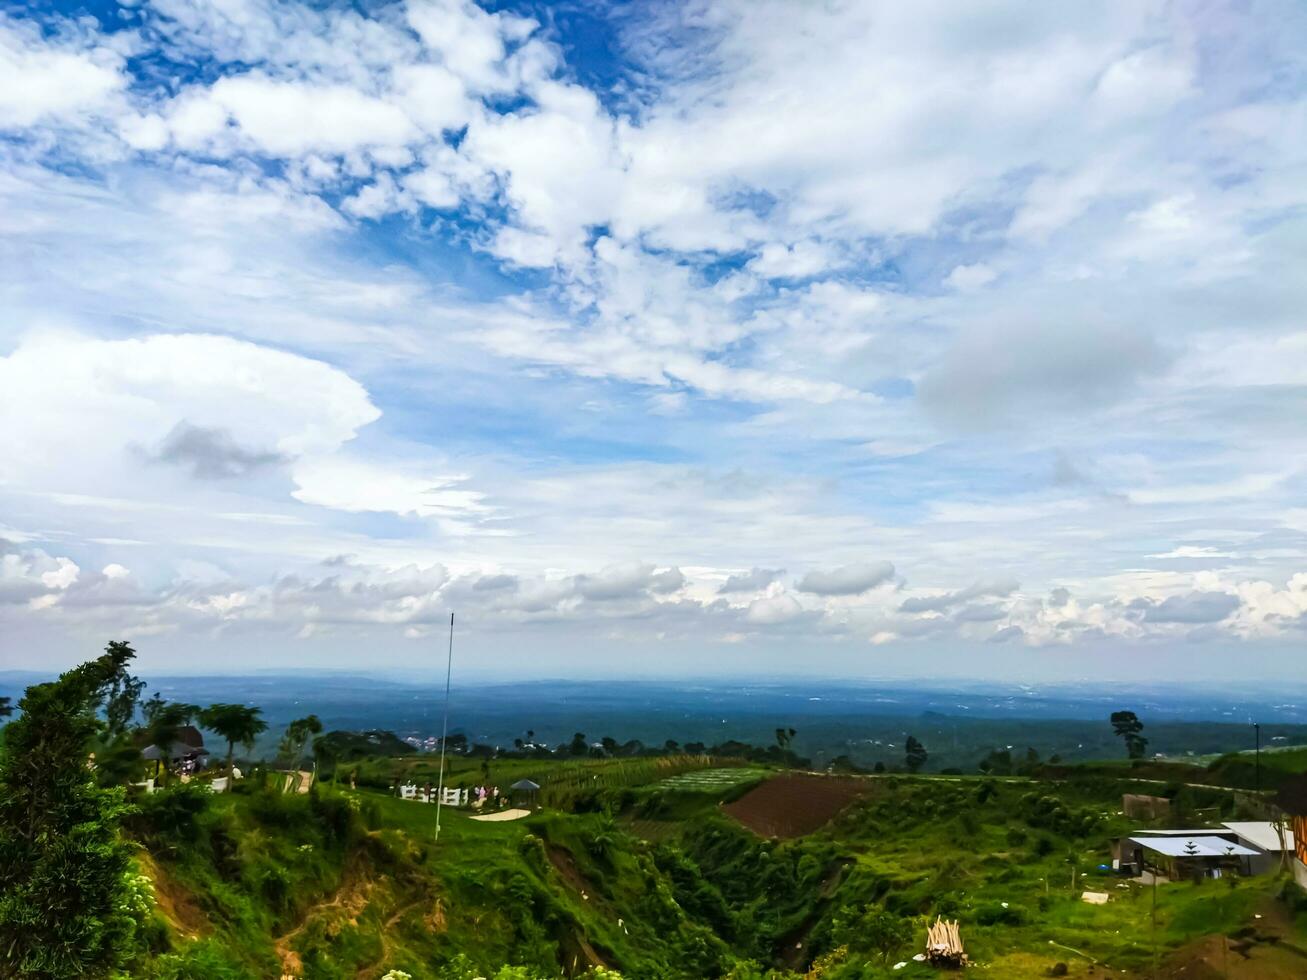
column 794, row 804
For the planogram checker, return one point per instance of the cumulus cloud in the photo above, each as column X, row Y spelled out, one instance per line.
column 847, row 579
column 626, row 581
column 946, row 600
column 428, row 209
column 773, row 609
column 754, row 580
column 58, row 79
column 1195, row 607
column 1006, row 634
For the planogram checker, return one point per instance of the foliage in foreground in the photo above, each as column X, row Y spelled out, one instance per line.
column 67, row 904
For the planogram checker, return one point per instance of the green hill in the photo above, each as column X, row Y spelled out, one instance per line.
column 731, row 863
column 658, row 881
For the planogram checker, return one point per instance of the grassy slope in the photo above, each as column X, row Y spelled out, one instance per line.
column 352, row 884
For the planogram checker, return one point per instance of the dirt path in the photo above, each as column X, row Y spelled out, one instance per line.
column 790, row 950
column 352, row 896
column 175, row 903
column 584, row 955
column 374, row 968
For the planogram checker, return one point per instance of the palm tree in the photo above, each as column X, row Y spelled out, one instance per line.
column 235, row 723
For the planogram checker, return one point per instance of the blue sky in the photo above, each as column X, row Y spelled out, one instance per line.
column 716, row 337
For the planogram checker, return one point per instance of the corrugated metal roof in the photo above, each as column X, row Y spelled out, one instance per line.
column 1202, row 846
column 1261, row 833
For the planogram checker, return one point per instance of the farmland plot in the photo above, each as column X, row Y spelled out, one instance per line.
column 794, row 804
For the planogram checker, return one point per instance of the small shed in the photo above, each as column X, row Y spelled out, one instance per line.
column 525, row 788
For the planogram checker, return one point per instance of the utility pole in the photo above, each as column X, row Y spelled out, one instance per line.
column 1257, row 753
column 444, row 728
column 1154, row 928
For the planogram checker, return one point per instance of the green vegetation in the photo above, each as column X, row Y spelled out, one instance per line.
column 1129, row 728
column 634, row 864
column 235, row 723
column 66, row 907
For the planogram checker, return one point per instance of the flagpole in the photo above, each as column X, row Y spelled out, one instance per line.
column 444, row 727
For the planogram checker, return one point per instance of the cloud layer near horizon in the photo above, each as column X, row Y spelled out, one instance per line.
column 855, row 325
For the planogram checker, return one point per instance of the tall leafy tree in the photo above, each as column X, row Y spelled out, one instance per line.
column 298, row 738
column 914, row 754
column 117, row 754
column 236, row 723
column 325, row 751
column 120, row 694
column 63, row 862
column 1127, row 726
column 6, row 709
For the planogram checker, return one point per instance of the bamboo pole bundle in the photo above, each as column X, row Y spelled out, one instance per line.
column 944, row 943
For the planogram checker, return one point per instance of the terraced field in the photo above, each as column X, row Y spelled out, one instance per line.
column 710, row 780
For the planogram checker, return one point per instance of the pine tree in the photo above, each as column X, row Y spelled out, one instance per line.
column 63, row 862
column 915, row 754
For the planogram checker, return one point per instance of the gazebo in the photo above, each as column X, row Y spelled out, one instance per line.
column 526, row 787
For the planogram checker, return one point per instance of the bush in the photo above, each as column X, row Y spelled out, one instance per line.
column 998, row 914
column 171, row 814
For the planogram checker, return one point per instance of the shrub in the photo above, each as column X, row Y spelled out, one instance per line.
column 998, row 914
column 171, row 814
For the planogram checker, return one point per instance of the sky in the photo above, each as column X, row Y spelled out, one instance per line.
column 713, row 337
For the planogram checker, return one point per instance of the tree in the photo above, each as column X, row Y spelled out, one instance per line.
column 875, row 928
column 326, row 752
column 1126, row 725
column 6, row 709
column 235, row 723
column 578, row 746
column 63, row 863
column 121, row 693
column 609, row 744
column 783, row 737
column 915, row 754
column 297, row 739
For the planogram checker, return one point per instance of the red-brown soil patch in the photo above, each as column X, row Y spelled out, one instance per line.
column 177, row 905
column 794, row 804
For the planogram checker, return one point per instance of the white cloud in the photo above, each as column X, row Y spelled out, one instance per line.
column 287, row 119
column 773, row 609
column 1148, row 80
column 847, row 579
column 350, row 484
column 970, row 276
column 798, row 261
column 58, row 80
column 580, row 259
